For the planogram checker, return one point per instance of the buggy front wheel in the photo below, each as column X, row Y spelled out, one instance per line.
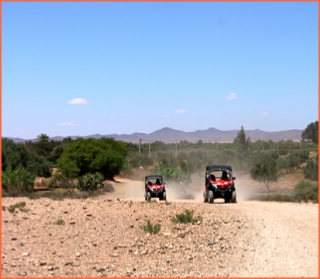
column 148, row 196
column 234, row 197
column 210, row 196
column 205, row 196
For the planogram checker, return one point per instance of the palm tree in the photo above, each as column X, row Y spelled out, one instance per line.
column 43, row 138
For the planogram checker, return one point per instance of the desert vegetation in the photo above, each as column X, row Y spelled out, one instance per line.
column 80, row 167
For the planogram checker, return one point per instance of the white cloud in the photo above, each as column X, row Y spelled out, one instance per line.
column 66, row 124
column 264, row 114
column 231, row 96
column 181, row 111
column 78, row 101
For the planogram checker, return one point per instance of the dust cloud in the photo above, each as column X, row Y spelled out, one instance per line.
column 124, row 188
column 246, row 188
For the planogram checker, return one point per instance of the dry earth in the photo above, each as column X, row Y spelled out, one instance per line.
column 102, row 237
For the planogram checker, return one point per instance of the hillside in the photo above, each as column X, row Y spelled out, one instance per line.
column 169, row 135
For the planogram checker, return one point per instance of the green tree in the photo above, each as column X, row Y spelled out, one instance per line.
column 43, row 138
column 311, row 133
column 311, row 170
column 109, row 163
column 241, row 141
column 266, row 172
column 104, row 155
column 17, row 155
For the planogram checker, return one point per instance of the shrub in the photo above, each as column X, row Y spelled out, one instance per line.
column 90, row 182
column 311, row 171
column 306, row 191
column 153, row 229
column 17, row 180
column 186, row 217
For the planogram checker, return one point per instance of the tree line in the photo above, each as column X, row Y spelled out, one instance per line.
column 264, row 160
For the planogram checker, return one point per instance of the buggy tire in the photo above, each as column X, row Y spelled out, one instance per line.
column 227, row 198
column 148, row 196
column 210, row 196
column 164, row 196
column 205, row 197
column 234, row 197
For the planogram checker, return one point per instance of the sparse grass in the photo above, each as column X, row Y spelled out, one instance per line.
column 278, row 198
column 108, row 188
column 150, row 201
column 152, row 229
column 304, row 191
column 55, row 195
column 186, row 217
column 34, row 196
column 13, row 207
column 167, row 203
column 59, row 222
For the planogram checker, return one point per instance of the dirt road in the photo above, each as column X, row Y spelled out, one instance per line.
column 103, row 237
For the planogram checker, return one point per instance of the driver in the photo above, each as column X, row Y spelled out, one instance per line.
column 224, row 175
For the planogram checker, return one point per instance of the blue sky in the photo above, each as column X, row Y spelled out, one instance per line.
column 77, row 69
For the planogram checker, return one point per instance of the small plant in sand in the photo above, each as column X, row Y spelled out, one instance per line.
column 13, row 207
column 152, row 229
column 59, row 222
column 186, row 217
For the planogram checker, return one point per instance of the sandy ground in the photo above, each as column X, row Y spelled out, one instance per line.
column 102, row 237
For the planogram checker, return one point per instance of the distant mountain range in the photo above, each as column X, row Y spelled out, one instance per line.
column 169, row 135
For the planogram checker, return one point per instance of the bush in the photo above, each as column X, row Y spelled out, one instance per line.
column 306, row 191
column 17, row 155
column 90, row 182
column 186, row 217
column 18, row 180
column 153, row 229
column 311, row 171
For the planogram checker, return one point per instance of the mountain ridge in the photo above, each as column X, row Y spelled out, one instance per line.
column 169, row 135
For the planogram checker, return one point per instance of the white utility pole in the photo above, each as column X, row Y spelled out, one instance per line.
column 176, row 149
column 140, row 145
